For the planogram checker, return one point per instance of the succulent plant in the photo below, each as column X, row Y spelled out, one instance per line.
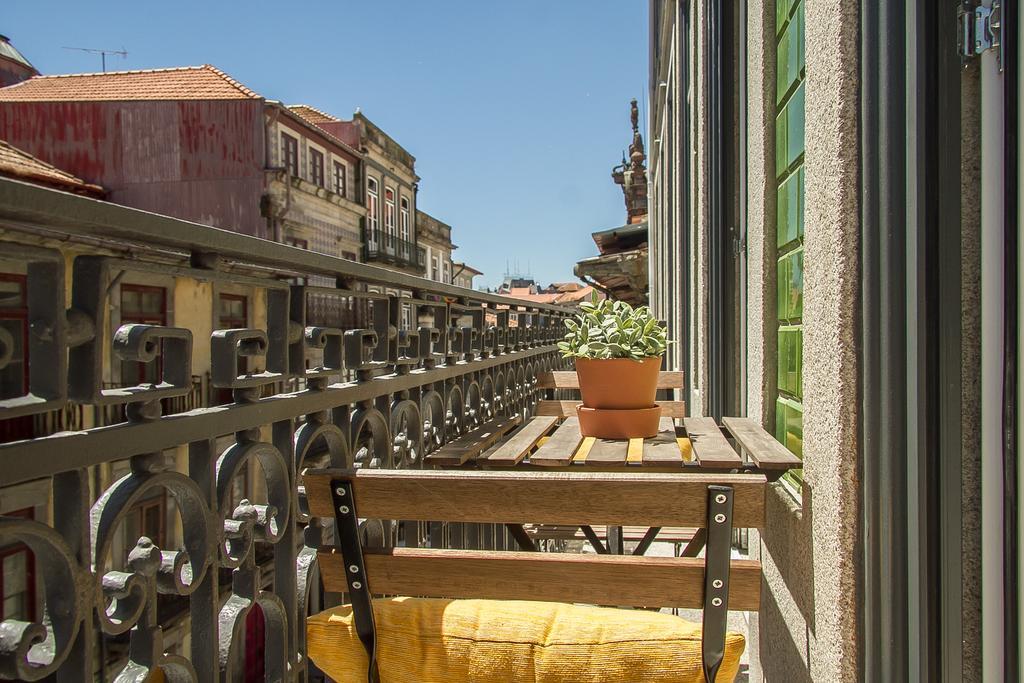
column 613, row 329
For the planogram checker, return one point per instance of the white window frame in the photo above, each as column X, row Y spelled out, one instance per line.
column 372, row 210
column 404, row 219
column 389, row 216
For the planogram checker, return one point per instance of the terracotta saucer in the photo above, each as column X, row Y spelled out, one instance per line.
column 640, row 423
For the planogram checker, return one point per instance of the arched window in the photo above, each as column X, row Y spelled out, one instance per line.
column 372, row 212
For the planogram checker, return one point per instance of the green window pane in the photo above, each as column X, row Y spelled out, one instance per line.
column 800, row 210
column 800, row 41
column 791, row 286
column 783, row 9
column 789, row 212
column 789, row 425
column 791, row 357
column 789, row 132
column 790, row 55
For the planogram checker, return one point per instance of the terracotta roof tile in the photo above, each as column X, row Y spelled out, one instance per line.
column 182, row 83
column 312, row 114
column 581, row 294
column 16, row 163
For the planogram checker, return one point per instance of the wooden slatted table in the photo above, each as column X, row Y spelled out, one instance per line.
column 552, row 441
column 699, row 444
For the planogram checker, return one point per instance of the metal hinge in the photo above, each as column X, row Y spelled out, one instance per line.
column 980, row 29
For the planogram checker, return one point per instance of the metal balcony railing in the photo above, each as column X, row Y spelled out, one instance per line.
column 424, row 369
column 384, row 247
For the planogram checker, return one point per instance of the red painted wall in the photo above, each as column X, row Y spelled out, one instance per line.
column 346, row 131
column 194, row 159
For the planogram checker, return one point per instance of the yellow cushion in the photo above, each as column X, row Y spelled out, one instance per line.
column 484, row 641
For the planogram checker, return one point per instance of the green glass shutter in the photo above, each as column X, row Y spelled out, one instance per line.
column 789, row 176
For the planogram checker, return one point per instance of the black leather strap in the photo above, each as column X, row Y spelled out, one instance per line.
column 716, row 579
column 346, row 536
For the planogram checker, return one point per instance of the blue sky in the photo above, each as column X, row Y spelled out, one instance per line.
column 515, row 111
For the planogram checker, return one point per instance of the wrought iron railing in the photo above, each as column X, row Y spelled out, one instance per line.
column 385, row 247
column 429, row 363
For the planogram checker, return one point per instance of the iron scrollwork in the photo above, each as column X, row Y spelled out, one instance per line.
column 409, row 372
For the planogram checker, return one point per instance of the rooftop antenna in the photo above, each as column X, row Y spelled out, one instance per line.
column 102, row 53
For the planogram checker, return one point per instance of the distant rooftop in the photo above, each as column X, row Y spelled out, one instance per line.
column 181, row 83
column 312, row 114
column 15, row 163
column 10, row 52
column 458, row 266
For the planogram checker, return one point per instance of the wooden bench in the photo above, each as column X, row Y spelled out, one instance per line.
column 714, row 503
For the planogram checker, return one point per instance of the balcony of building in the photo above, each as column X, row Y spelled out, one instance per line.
column 166, row 384
column 384, row 247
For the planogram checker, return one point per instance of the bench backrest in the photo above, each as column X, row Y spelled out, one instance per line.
column 654, row 500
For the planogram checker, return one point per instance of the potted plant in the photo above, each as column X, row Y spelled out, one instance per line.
column 617, row 350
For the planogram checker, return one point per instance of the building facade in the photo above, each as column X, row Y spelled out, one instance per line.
column 222, row 155
column 820, row 238
column 388, row 187
column 463, row 274
column 312, row 197
column 202, row 157
column 391, row 183
column 436, row 239
column 620, row 270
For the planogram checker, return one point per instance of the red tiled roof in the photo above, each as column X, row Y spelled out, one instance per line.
column 182, row 83
column 465, row 268
column 15, row 163
column 581, row 294
column 312, row 114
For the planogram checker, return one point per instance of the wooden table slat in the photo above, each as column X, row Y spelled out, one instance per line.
column 520, row 443
column 635, row 451
column 608, row 452
column 675, row 409
column 473, row 443
column 663, row 449
column 764, row 450
column 580, row 456
column 568, row 379
column 709, row 444
column 558, row 450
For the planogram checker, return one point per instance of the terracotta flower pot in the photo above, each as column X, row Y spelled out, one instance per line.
column 618, row 397
column 618, row 383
